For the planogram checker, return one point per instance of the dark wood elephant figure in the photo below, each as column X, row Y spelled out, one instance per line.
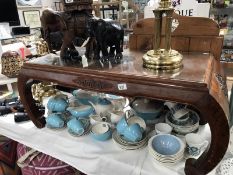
column 71, row 25
column 109, row 36
column 53, row 29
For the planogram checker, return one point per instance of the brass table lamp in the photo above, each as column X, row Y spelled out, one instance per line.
column 163, row 58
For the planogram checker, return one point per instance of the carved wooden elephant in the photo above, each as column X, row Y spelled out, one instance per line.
column 53, row 26
column 72, row 25
column 107, row 34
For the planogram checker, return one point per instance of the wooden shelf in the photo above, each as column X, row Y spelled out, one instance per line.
column 106, row 3
column 5, row 81
column 30, row 7
column 228, row 69
column 222, row 6
column 227, row 47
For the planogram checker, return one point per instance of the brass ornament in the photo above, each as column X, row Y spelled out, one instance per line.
column 11, row 64
column 163, row 58
column 41, row 47
column 42, row 90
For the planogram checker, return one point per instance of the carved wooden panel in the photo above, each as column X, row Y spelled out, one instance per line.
column 197, row 34
column 216, row 47
column 180, row 43
column 194, row 27
column 133, row 42
column 145, row 26
column 144, row 42
column 200, row 44
column 89, row 83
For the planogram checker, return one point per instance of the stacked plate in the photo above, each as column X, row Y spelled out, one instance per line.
column 191, row 125
column 166, row 149
column 230, row 147
column 122, row 143
column 87, row 128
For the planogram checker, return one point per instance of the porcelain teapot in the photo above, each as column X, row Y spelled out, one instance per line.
column 147, row 109
column 102, row 105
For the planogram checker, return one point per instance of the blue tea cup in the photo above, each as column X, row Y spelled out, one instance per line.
column 133, row 133
column 84, row 97
column 81, row 111
column 57, row 104
column 55, row 121
column 101, row 131
column 76, row 126
column 122, row 125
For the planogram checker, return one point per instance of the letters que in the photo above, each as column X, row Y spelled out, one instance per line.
column 182, row 12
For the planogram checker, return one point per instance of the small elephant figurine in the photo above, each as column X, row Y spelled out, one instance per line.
column 107, row 33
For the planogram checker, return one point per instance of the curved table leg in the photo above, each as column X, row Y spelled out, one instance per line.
column 24, row 87
column 219, row 141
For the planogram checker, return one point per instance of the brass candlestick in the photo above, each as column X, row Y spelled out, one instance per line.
column 166, row 58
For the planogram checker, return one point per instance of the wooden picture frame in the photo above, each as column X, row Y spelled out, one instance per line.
column 32, row 18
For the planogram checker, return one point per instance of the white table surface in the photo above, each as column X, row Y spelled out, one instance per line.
column 89, row 156
column 4, row 79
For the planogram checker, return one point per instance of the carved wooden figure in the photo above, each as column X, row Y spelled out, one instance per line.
column 71, row 24
column 108, row 34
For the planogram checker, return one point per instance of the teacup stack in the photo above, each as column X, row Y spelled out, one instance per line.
column 57, row 106
column 78, row 127
column 160, row 128
column 130, row 133
column 99, row 110
column 101, row 131
column 182, row 119
column 55, row 121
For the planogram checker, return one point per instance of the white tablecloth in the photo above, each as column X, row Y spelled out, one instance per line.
column 89, row 156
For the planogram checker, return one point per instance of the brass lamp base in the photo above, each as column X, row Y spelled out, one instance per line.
column 162, row 59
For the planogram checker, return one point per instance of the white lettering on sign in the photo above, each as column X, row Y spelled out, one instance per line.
column 122, row 87
column 185, row 12
column 182, row 7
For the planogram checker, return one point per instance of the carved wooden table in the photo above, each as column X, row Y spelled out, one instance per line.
column 198, row 84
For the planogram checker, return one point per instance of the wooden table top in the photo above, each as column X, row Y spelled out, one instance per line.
column 194, row 70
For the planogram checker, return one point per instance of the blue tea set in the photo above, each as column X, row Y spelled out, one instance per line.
column 107, row 116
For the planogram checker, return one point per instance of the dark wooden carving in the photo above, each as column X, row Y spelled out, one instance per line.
column 70, row 27
column 108, row 35
column 88, row 83
column 77, row 25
